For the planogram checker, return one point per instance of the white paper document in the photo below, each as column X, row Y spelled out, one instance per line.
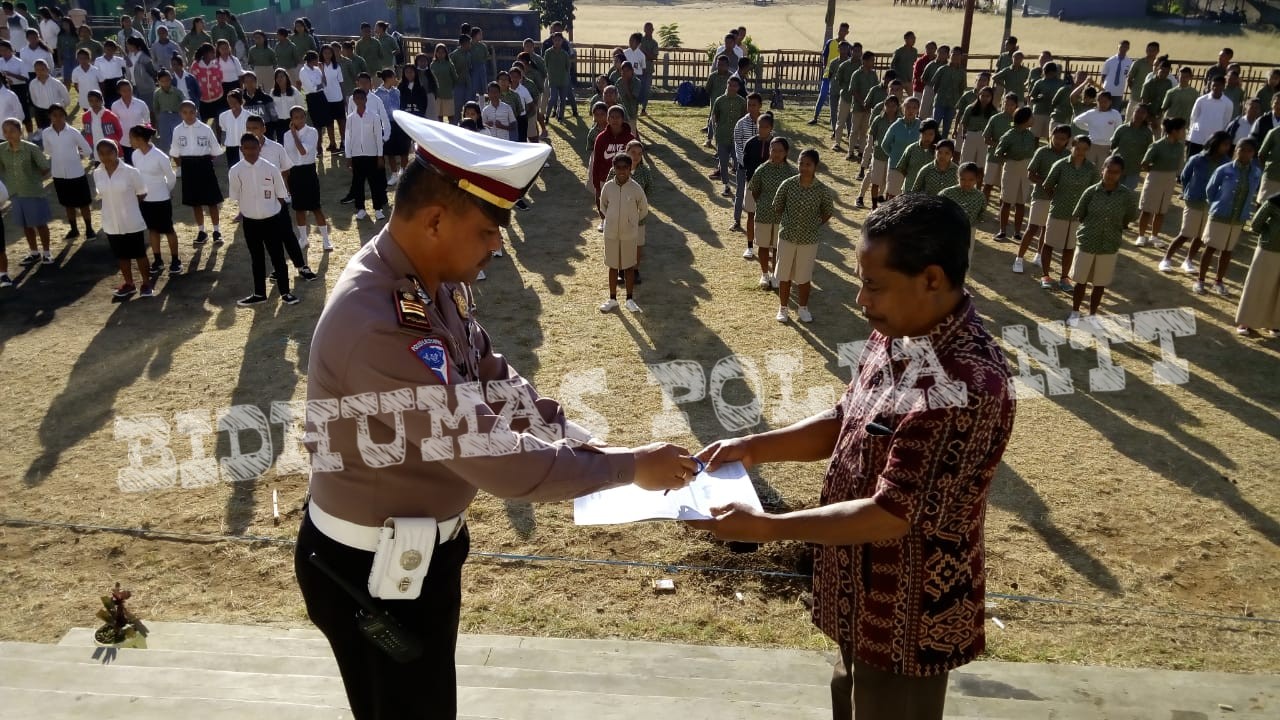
column 628, row 504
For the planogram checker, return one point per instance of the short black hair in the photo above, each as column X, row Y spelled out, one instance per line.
column 1022, row 115
column 921, row 230
column 971, row 168
column 250, row 138
column 1173, row 124
column 622, row 159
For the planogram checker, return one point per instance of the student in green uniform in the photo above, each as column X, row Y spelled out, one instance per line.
column 561, row 89
column 88, row 43
column 1130, row 141
column 918, row 156
column 1014, row 151
column 716, row 84
column 1179, row 101
column 1066, row 182
column 940, row 174
column 461, row 61
column 1155, row 88
column 833, row 67
column 926, row 97
column 1014, row 77
column 1041, row 97
column 368, row 47
column 803, row 204
column 948, row 85
column 901, row 135
column 904, row 58
column 446, row 75
column 726, row 111
column 479, row 62
column 880, row 159
column 1041, row 163
column 764, row 188
column 842, row 86
column 970, row 199
column 861, row 101
column 600, row 120
column 1162, row 161
column 1104, row 211
column 287, row 55
column 196, row 37
column 999, row 124
column 1235, row 91
column 1259, row 306
column 262, row 59
column 629, row 95
column 1138, row 72
column 973, row 121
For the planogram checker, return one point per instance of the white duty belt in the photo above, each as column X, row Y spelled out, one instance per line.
column 364, row 537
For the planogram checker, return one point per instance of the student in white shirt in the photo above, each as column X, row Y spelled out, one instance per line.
column 1115, row 75
column 497, row 116
column 111, row 68
column 85, row 76
column 636, row 56
column 1100, row 124
column 312, row 79
column 121, row 188
column 1211, row 113
column 67, row 150
column 15, row 75
column 258, row 188
column 194, row 147
column 157, row 209
column 10, row 105
column 130, row 111
column 333, row 93
column 46, row 91
column 274, row 153
column 374, row 105
column 366, row 132
column 302, row 145
column 231, row 125
column 283, row 98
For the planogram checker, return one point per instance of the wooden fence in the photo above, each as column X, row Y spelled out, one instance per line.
column 794, row 72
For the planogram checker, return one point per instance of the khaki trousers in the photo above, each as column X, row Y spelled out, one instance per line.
column 859, row 692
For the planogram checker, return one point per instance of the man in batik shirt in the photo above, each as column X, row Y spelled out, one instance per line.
column 899, row 578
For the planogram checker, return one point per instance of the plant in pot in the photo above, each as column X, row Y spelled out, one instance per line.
column 120, row 628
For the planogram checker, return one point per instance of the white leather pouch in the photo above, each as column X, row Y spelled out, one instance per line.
column 402, row 559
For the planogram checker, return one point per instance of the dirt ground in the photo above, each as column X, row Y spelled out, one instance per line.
column 1152, row 497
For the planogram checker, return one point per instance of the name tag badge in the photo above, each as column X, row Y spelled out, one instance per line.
column 266, row 194
column 432, row 354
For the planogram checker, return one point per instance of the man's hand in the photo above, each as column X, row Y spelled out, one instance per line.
column 726, row 451
column 663, row 466
column 736, row 522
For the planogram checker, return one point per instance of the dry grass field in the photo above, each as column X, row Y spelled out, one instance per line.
column 1154, row 497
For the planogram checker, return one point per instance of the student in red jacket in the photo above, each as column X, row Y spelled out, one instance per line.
column 611, row 143
column 99, row 123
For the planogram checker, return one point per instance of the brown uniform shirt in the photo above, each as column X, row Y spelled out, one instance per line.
column 390, row 367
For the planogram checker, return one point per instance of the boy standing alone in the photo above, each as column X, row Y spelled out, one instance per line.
column 624, row 206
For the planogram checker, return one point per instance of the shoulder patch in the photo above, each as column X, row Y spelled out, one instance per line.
column 411, row 312
column 432, row 353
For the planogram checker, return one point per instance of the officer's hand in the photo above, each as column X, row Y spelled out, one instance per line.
column 726, row 451
column 663, row 466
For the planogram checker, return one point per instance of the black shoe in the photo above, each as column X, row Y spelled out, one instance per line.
column 29, row 260
column 347, row 200
column 306, row 274
column 1001, row 237
column 637, row 282
column 251, row 300
column 217, row 237
column 860, row 203
column 736, row 227
column 175, row 267
column 522, row 205
column 89, row 234
column 75, row 233
column 861, row 176
column 202, row 237
column 1017, row 236
column 157, row 266
column 812, row 122
column 289, row 299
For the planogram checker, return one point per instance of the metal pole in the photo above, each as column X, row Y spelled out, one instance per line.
column 968, row 23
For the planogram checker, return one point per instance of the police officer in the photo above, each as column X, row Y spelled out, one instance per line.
column 411, row 412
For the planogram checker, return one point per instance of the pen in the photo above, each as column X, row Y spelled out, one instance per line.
column 700, row 467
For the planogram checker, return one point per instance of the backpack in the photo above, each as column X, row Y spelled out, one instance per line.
column 685, row 94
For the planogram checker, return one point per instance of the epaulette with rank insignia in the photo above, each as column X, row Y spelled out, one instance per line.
column 411, row 312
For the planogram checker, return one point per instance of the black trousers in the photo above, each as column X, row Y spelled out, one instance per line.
column 364, row 171
column 861, row 692
column 233, row 155
column 378, row 687
column 263, row 238
column 289, row 237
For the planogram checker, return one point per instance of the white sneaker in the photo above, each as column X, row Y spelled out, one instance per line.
column 1198, row 288
column 749, row 254
column 764, row 282
column 46, row 259
column 1189, row 266
column 804, row 315
column 1157, row 243
column 1035, row 259
column 379, row 215
column 1017, row 265
column 328, row 246
column 480, row 275
column 1141, row 241
column 773, row 281
column 361, row 214
column 608, row 305
column 783, row 315
column 600, row 226
column 497, row 253
column 1221, row 289
column 1165, row 266
column 632, row 306
column 395, row 178
column 1073, row 319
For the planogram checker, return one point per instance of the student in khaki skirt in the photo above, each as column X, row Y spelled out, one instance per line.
column 878, row 177
column 1162, row 162
column 1269, row 157
column 1066, row 182
column 623, row 205
column 1041, row 163
column 973, row 121
column 804, row 204
column 1015, row 149
column 1104, row 211
column 1232, row 189
column 1195, row 203
column 997, row 126
column 763, row 189
column 1259, row 306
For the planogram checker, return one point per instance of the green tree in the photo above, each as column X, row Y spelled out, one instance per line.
column 550, row 11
